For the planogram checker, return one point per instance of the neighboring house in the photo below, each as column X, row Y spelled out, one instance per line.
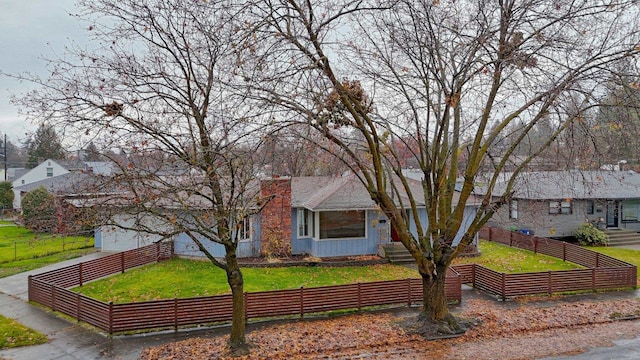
column 555, row 203
column 49, row 169
column 317, row 216
column 68, row 189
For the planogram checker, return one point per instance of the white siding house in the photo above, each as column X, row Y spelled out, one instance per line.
column 47, row 169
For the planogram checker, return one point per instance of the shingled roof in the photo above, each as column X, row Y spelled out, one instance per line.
column 575, row 184
column 339, row 193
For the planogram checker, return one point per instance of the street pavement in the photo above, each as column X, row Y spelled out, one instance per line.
column 69, row 340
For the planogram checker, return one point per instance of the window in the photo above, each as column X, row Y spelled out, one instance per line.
column 630, row 210
column 342, row 224
column 513, row 209
column 560, row 207
column 305, row 223
column 590, row 207
column 49, row 172
column 244, row 230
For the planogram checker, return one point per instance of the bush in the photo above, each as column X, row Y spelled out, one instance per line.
column 38, row 210
column 6, row 195
column 588, row 235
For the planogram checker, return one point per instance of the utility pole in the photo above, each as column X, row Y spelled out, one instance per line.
column 4, row 147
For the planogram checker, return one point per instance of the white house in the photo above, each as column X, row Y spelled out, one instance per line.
column 50, row 169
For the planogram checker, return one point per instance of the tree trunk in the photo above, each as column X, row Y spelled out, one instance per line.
column 434, row 308
column 238, row 321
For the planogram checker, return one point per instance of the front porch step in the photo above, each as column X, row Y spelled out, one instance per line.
column 397, row 254
column 622, row 237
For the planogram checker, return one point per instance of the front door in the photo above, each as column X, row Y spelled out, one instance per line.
column 612, row 213
column 394, row 234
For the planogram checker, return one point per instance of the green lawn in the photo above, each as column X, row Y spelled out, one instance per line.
column 627, row 255
column 19, row 243
column 14, row 334
column 179, row 278
column 502, row 258
column 188, row 278
column 14, row 267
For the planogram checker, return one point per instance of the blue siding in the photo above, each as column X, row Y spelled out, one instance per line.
column 184, row 245
column 469, row 215
column 299, row 246
column 97, row 234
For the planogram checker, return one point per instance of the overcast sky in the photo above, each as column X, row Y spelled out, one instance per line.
column 30, row 30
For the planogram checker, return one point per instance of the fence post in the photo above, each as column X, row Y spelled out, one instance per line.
column 53, row 296
column 535, row 245
column 511, row 238
column 80, row 273
column 29, row 287
column 359, row 297
column 597, row 259
column 473, row 275
column 564, row 251
column 78, row 305
column 122, row 262
column 504, row 285
column 409, row 292
column 593, row 279
column 110, row 317
column 549, row 282
column 175, row 314
column 301, row 292
column 157, row 252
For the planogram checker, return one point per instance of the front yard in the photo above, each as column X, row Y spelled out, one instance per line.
column 182, row 278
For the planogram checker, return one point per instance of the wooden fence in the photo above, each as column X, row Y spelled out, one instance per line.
column 603, row 272
column 51, row 289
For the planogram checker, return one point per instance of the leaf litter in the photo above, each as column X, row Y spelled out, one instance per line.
column 518, row 333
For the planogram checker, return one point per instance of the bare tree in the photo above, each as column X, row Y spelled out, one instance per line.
column 452, row 76
column 156, row 86
column 617, row 121
column 300, row 151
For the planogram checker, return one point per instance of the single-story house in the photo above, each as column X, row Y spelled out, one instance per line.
column 317, row 216
column 556, row 203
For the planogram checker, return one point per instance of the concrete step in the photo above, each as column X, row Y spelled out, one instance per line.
column 622, row 237
column 397, row 254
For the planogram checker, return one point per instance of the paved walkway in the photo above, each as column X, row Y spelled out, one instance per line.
column 69, row 340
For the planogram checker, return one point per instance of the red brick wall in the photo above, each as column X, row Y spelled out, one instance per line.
column 275, row 218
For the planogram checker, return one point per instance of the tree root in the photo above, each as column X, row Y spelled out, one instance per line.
column 450, row 326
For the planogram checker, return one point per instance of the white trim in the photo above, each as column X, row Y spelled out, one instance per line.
column 310, row 227
column 249, row 231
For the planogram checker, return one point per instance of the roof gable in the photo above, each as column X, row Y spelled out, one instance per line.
column 339, row 193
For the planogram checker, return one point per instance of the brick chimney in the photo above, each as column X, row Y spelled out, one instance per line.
column 275, row 218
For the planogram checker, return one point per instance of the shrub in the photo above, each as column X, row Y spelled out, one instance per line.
column 6, row 195
column 38, row 210
column 588, row 235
